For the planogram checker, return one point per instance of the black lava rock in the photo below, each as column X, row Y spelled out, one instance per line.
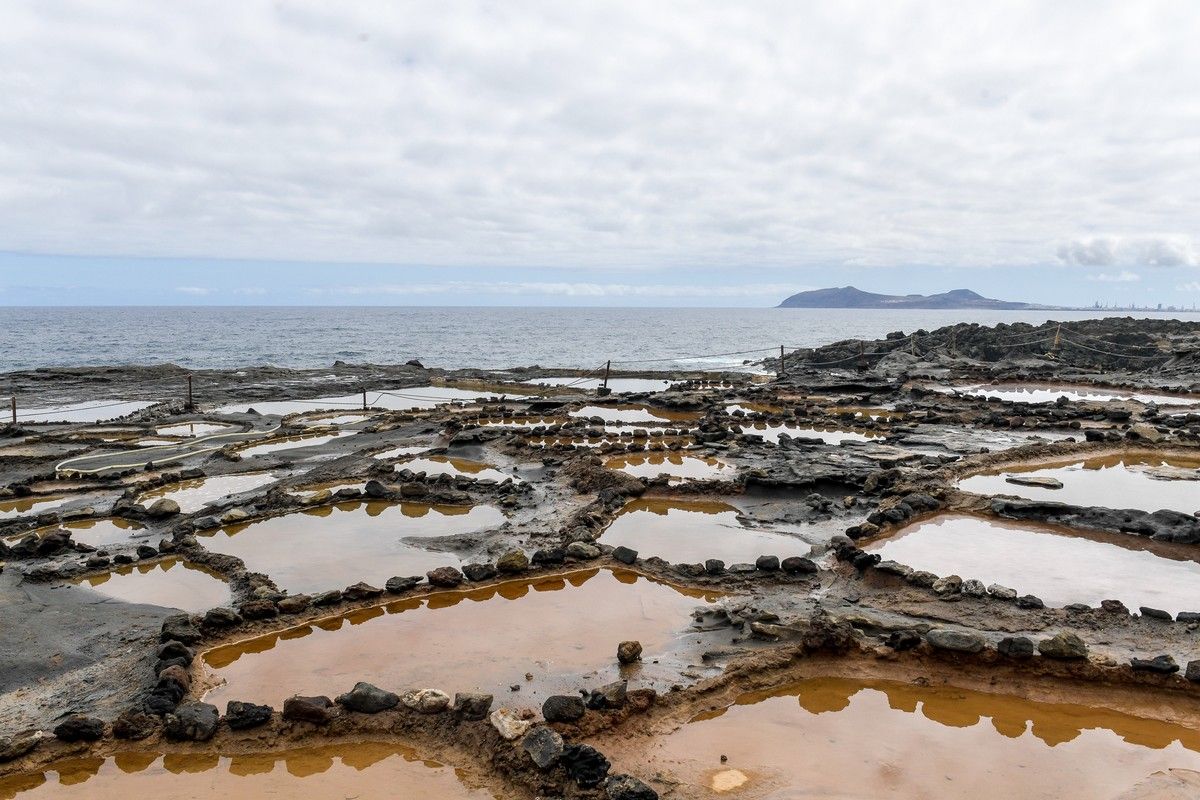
column 241, row 716
column 585, row 765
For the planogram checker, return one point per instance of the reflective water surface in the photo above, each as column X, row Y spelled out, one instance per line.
column 412, row 398
column 292, row 443
column 680, row 466
column 89, row 411
column 557, row 629
column 193, row 495
column 193, row 429
column 1035, row 393
column 358, row 770
column 448, row 465
column 98, row 532
column 632, row 414
column 21, row 506
column 170, row 583
column 1056, row 564
column 692, row 531
column 335, row 546
column 1137, row 480
column 807, row 741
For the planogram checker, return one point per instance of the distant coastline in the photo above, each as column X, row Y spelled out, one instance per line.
column 851, row 297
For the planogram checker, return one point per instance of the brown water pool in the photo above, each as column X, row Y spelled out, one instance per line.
column 170, row 583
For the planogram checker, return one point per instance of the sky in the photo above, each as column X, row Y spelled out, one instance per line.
column 596, row 153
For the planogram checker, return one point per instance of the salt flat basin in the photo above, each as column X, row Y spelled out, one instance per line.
column 448, row 465
column 631, row 414
column 1041, row 393
column 520, row 422
column 359, row 769
column 155, row 441
column 292, row 443
column 335, row 546
column 680, row 466
column 805, row 741
column 1136, row 480
column 563, row 630
column 338, row 419
column 22, row 506
column 415, row 397
column 170, row 583
column 193, row 495
column 97, row 532
column 830, row 435
column 194, row 429
column 619, row 385
column 692, row 531
column 405, row 450
column 89, row 411
column 1057, row 564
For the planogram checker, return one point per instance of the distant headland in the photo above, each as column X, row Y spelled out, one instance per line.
column 850, row 297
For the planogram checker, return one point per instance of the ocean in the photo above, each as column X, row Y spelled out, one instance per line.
column 201, row 337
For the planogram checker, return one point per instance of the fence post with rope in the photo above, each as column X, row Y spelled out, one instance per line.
column 13, row 402
column 191, row 406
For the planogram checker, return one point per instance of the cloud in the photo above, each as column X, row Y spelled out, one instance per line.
column 1110, row 251
column 1190, row 286
column 1124, row 276
column 594, row 135
column 567, row 289
column 193, row 290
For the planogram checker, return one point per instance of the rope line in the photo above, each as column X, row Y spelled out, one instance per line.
column 72, row 409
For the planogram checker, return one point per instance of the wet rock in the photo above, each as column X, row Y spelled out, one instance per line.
column 612, row 695
column 894, row 568
column 690, row 570
column 327, row 598
column 1064, row 645
column 145, row 551
column 177, row 675
column 192, row 722
column 1030, row 601
column 513, row 562
column 624, row 554
column 241, row 716
column 472, row 705
column 549, row 556
column 479, row 572
column 714, row 566
column 163, row 507
column 510, row 726
column 221, row 618
column 1162, row 665
column 1078, row 608
column 135, row 724
column 923, row 579
column 367, row 699
column 318, row 710
column 956, row 641
column 1016, row 647
column 1192, row 673
column 180, row 628
column 175, row 649
column 427, row 701
column 1188, row 616
column 767, row 563
column 160, row 702
column 798, row 565
column 585, row 765
column 294, row 604
column 544, row 746
column 78, row 728
column 1155, row 613
column 445, row 577
column 96, row 562
column 399, row 585
column 951, row 584
column 903, row 640
column 258, row 609
column 627, row 787
column 974, row 588
column 1033, row 480
column 863, row 560
column 1144, row 431
column 1114, row 606
column 629, row 652
column 563, row 708
column 583, row 551
column 361, row 591
column 13, row 747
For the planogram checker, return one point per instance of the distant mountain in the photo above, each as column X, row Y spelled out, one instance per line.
column 849, row 297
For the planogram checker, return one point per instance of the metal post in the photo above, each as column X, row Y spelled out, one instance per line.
column 782, row 363
column 191, row 406
column 607, row 369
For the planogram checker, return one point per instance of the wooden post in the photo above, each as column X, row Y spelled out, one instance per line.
column 607, row 369
column 14, row 409
column 191, row 406
column 364, row 399
column 1057, row 338
column 912, row 344
column 782, row 363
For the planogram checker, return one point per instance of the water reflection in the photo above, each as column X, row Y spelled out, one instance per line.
column 169, row 583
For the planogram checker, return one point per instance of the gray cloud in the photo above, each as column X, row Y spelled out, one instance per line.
column 1109, row 251
column 600, row 134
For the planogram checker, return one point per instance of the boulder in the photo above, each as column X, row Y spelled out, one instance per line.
column 361, row 591
column 163, row 507
column 1163, row 665
column 13, row 747
column 241, row 716
column 444, row 577
column 179, row 627
column 714, row 566
column 798, row 565
column 583, row 551
column 955, row 641
column 512, row 562
column 294, row 604
column 585, row 765
column 1144, row 431
column 1016, row 647
column 1156, row 613
column 563, row 708
column 78, row 728
column 767, row 563
column 258, row 609
column 949, row 585
column 611, row 695
column 624, row 554
column 221, row 618
column 479, row 572
column 510, row 726
column 627, row 787
column 427, row 701
column 135, row 724
column 472, row 705
column 544, row 746
column 1192, row 673
column 1030, row 601
column 974, row 588
column 903, row 640
column 629, row 652
column 192, row 722
column 175, row 649
column 1033, row 480
column 318, row 710
column 367, row 699
column 1063, row 645
column 399, row 585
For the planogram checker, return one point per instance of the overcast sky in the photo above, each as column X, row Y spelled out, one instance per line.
column 621, row 153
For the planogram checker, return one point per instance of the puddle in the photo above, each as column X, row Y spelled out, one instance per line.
column 292, row 443
column 691, row 531
column 335, row 546
column 193, row 495
column 341, row 419
column 807, row 741
column 359, row 769
column 413, row 398
column 446, row 465
column 97, row 532
column 397, row 452
column 633, row 414
column 155, row 442
column 170, row 583
column 1057, row 564
column 1076, row 394
column 680, row 466
column 191, row 429
column 830, row 435
column 618, row 385
column 20, row 506
column 562, row 630
column 520, row 422
column 310, row 492
column 1142, row 481
column 91, row 411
